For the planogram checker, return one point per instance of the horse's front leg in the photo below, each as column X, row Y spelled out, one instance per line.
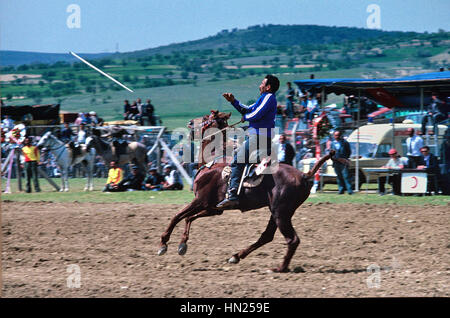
column 64, row 182
column 182, row 248
column 91, row 173
column 189, row 210
column 89, row 184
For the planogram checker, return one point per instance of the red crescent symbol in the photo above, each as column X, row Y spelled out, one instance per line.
column 415, row 179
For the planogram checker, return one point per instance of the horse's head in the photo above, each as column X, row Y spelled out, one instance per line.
column 215, row 119
column 46, row 140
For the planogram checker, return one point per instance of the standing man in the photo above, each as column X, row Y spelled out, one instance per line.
column 8, row 123
column 341, row 162
column 285, row 151
column 66, row 133
column 290, row 94
column 413, row 145
column 149, row 110
column 261, row 117
column 437, row 112
column 32, row 157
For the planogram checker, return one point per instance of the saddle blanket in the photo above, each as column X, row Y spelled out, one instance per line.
column 254, row 175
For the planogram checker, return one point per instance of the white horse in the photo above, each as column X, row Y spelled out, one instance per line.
column 64, row 159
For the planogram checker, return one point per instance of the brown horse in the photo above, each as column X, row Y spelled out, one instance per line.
column 283, row 192
column 136, row 153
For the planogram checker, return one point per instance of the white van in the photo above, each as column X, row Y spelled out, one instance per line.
column 375, row 140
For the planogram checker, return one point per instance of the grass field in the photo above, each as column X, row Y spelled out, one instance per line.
column 179, row 103
column 185, row 196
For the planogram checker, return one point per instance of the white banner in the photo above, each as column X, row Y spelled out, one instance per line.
column 413, row 182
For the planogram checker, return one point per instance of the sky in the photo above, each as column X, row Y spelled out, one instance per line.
column 97, row 26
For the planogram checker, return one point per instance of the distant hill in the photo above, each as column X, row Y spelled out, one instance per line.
column 275, row 36
column 258, row 36
column 16, row 58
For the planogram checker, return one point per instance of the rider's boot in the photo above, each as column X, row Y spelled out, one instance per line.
column 231, row 200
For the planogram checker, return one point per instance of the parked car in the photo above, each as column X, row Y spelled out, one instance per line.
column 375, row 141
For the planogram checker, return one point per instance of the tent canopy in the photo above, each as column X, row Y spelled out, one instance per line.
column 38, row 112
column 391, row 92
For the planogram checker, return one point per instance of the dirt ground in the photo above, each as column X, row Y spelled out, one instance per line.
column 346, row 250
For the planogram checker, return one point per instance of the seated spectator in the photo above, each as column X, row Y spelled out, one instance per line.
column 172, row 178
column 115, row 175
column 428, row 160
column 134, row 111
column 396, row 162
column 311, row 108
column 79, row 119
column 430, row 164
column 126, row 109
column 155, row 181
column 132, row 182
column 95, row 120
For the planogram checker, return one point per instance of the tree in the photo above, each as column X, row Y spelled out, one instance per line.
column 184, row 75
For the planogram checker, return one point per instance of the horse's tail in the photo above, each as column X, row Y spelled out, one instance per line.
column 319, row 164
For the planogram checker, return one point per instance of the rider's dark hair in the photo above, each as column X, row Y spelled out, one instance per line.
column 274, row 83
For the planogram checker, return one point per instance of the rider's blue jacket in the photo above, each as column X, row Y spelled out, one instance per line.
column 260, row 115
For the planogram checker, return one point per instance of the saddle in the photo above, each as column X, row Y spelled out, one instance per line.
column 252, row 176
column 120, row 148
column 75, row 148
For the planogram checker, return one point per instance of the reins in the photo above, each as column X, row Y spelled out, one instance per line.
column 231, row 126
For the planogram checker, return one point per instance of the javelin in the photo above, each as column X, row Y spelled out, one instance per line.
column 101, row 72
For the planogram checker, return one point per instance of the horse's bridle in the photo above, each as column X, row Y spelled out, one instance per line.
column 60, row 146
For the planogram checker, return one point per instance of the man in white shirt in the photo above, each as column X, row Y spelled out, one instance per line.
column 8, row 123
column 311, row 108
column 413, row 145
column 173, row 179
column 81, row 139
column 395, row 163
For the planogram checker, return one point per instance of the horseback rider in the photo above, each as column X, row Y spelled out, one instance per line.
column 74, row 146
column 119, row 143
column 261, row 118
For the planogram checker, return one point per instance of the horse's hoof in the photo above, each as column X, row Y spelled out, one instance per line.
column 182, row 248
column 279, row 270
column 233, row 260
column 162, row 250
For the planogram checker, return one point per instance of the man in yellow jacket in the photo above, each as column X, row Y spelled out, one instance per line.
column 115, row 175
column 32, row 157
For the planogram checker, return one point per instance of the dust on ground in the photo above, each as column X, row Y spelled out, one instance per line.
column 346, row 250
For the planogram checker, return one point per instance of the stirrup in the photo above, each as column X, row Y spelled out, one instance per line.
column 228, row 204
